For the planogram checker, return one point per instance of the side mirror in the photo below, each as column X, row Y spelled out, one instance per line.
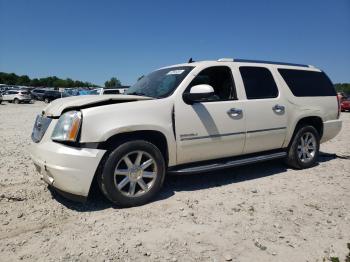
column 198, row 93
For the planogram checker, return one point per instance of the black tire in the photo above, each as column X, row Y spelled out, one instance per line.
column 108, row 184
column 16, row 101
column 293, row 160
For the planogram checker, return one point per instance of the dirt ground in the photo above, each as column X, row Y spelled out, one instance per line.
column 261, row 212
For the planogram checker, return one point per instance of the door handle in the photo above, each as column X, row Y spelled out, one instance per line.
column 235, row 112
column 278, row 109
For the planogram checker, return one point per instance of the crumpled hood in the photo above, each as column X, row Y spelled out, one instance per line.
column 56, row 107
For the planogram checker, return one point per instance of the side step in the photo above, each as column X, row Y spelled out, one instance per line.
column 213, row 166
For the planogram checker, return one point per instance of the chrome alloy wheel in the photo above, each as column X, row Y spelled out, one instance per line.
column 135, row 173
column 306, row 147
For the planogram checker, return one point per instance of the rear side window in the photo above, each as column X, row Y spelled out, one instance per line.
column 307, row 83
column 258, row 82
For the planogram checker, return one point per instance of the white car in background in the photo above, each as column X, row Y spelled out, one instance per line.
column 17, row 96
column 187, row 118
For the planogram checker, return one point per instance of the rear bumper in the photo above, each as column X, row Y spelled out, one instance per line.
column 68, row 169
column 331, row 129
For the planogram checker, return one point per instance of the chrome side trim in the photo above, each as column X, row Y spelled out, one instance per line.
column 211, row 136
column 231, row 134
column 232, row 163
column 267, row 129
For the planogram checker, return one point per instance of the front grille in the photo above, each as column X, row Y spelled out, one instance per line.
column 40, row 127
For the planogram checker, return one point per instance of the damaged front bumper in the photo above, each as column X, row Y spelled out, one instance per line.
column 68, row 169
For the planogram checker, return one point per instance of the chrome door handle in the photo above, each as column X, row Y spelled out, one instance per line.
column 235, row 112
column 278, row 108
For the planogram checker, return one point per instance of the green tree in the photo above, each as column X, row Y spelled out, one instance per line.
column 23, row 81
column 51, row 81
column 113, row 82
column 344, row 87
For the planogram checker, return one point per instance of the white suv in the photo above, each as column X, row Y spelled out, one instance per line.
column 188, row 118
column 17, row 96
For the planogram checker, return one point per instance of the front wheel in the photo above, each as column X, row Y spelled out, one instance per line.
column 304, row 149
column 133, row 173
column 16, row 101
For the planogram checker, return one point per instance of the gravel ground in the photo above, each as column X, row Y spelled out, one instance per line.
column 262, row 212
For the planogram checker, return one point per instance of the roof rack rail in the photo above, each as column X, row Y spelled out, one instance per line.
column 268, row 62
column 225, row 59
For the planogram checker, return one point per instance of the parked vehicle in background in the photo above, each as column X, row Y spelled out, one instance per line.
column 5, row 88
column 17, row 96
column 38, row 94
column 345, row 104
column 109, row 91
column 50, row 95
column 189, row 118
column 0, row 98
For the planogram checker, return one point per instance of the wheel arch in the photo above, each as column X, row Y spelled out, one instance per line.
column 315, row 121
column 155, row 137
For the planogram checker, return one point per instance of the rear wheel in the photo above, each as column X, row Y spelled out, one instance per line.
column 304, row 149
column 16, row 101
column 133, row 173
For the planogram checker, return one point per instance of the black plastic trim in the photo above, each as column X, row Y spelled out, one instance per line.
column 70, row 196
column 228, row 162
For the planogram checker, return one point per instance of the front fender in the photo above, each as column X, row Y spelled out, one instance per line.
column 101, row 123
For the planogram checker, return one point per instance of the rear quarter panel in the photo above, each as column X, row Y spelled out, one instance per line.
column 325, row 107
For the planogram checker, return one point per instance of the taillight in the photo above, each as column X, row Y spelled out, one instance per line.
column 339, row 109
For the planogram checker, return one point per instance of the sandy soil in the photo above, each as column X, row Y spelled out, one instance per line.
column 262, row 212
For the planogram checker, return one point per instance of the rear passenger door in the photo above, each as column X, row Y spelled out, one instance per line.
column 265, row 110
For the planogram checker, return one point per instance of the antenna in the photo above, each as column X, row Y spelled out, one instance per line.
column 190, row 60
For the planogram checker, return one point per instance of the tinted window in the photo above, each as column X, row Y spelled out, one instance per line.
column 108, row 92
column 258, row 82
column 220, row 78
column 307, row 83
column 52, row 93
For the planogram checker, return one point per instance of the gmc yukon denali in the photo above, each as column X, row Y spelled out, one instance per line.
column 187, row 118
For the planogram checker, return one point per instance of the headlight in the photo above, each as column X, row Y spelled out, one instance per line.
column 67, row 127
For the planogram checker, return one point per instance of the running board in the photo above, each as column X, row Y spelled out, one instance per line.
column 200, row 168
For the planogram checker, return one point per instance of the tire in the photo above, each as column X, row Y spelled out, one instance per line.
column 136, row 182
column 300, row 154
column 16, row 101
column 46, row 100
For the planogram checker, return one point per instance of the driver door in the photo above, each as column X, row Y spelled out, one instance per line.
column 213, row 128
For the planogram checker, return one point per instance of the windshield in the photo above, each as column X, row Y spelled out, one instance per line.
column 160, row 83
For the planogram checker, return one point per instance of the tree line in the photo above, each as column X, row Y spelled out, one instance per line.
column 51, row 81
column 344, row 87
